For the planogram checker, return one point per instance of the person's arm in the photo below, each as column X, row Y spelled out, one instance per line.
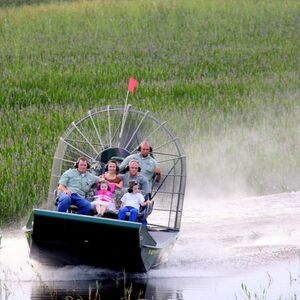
column 145, row 202
column 101, row 177
column 122, row 200
column 144, row 185
column 124, row 164
column 124, row 178
column 95, row 179
column 120, row 184
column 157, row 174
column 63, row 182
column 64, row 189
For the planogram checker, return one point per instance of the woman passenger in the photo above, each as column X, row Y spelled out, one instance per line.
column 111, row 176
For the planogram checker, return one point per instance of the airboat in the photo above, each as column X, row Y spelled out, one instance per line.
column 71, row 239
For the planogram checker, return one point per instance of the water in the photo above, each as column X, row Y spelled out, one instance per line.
column 223, row 243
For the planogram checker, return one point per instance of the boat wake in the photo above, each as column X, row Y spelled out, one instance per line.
column 229, row 236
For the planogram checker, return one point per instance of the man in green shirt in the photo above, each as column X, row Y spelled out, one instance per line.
column 148, row 164
column 73, row 186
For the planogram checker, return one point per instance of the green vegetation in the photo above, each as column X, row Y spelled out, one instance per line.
column 263, row 294
column 229, row 69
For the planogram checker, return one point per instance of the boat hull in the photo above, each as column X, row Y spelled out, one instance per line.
column 70, row 239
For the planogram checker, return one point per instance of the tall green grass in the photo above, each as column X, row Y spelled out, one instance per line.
column 227, row 68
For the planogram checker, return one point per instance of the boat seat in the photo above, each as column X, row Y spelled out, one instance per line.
column 145, row 211
column 118, row 159
column 71, row 209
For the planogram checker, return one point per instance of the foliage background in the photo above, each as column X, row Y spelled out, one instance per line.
column 225, row 74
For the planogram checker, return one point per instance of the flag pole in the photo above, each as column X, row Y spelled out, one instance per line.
column 131, row 86
column 124, row 115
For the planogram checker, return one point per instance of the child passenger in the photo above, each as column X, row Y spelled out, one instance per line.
column 131, row 202
column 103, row 199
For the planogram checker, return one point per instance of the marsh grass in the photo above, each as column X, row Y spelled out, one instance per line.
column 122, row 288
column 221, row 63
column 248, row 294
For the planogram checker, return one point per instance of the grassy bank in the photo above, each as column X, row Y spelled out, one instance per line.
column 229, row 69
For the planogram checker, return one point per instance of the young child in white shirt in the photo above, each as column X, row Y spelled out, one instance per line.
column 131, row 202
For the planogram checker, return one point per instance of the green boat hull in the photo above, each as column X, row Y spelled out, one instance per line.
column 70, row 239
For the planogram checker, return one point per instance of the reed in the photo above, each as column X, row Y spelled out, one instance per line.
column 214, row 63
column 247, row 294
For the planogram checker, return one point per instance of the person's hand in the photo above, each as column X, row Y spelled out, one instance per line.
column 68, row 192
column 158, row 174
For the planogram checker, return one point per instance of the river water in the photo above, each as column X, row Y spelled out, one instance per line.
column 227, row 248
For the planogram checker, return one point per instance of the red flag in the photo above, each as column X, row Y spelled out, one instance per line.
column 132, row 84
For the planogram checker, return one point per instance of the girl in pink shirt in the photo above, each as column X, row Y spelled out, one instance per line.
column 103, row 199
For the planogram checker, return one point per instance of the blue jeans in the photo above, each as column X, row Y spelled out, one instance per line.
column 133, row 213
column 64, row 201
